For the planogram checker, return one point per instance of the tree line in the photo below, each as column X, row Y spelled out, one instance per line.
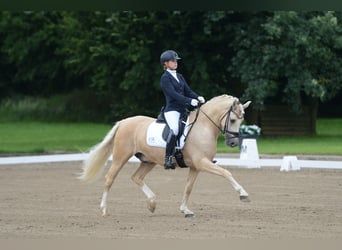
column 109, row 61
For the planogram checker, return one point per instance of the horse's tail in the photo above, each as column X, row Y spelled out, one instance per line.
column 98, row 156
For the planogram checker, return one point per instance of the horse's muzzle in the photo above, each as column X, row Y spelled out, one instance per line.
column 232, row 141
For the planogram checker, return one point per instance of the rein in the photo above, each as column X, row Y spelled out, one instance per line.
column 226, row 123
column 192, row 124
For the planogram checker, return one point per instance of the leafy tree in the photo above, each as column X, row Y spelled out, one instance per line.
column 295, row 55
column 118, row 54
column 109, row 61
column 28, row 49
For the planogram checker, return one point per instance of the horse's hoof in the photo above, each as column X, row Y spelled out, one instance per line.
column 244, row 198
column 151, row 205
column 189, row 215
column 104, row 212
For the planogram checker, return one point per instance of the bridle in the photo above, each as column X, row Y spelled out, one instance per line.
column 225, row 129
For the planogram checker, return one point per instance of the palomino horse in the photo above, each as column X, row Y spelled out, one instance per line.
column 128, row 137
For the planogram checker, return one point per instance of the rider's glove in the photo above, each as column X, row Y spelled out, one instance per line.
column 201, row 99
column 194, row 102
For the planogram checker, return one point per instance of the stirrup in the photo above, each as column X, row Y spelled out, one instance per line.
column 179, row 158
column 169, row 164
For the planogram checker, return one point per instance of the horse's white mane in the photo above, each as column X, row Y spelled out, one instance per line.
column 221, row 102
column 219, row 98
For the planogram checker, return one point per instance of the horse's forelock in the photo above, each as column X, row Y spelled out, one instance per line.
column 238, row 107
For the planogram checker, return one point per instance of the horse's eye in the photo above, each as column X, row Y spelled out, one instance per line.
column 232, row 120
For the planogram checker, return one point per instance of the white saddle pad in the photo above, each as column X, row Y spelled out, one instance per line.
column 154, row 136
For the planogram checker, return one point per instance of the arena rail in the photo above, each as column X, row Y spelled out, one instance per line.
column 286, row 163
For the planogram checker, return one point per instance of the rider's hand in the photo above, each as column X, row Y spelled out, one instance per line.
column 201, row 99
column 194, row 102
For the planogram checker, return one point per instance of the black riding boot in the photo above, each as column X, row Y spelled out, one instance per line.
column 170, row 147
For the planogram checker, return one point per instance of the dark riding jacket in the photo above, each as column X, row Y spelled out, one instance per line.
column 178, row 94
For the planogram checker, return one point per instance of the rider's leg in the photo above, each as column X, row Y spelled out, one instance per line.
column 172, row 119
column 170, row 148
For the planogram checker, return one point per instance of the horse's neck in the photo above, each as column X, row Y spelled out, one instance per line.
column 208, row 118
column 216, row 112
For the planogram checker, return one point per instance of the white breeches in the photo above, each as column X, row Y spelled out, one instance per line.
column 172, row 119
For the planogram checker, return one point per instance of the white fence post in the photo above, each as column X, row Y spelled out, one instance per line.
column 249, row 153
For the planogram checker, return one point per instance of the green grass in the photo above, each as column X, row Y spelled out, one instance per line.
column 42, row 137
column 327, row 141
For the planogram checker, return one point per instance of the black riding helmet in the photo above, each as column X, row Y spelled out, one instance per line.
column 168, row 55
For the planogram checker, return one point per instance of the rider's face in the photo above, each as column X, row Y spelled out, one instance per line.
column 172, row 64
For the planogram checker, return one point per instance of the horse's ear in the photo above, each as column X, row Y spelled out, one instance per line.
column 246, row 104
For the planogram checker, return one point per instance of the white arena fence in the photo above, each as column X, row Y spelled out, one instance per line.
column 286, row 163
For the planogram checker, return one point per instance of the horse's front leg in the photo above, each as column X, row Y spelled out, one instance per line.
column 212, row 168
column 193, row 173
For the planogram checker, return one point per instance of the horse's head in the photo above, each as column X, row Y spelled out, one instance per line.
column 231, row 124
column 226, row 113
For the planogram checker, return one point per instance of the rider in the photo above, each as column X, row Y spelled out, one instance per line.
column 177, row 95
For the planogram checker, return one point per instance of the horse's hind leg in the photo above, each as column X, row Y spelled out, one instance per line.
column 138, row 178
column 113, row 171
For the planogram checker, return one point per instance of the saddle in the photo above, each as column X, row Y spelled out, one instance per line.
column 182, row 123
